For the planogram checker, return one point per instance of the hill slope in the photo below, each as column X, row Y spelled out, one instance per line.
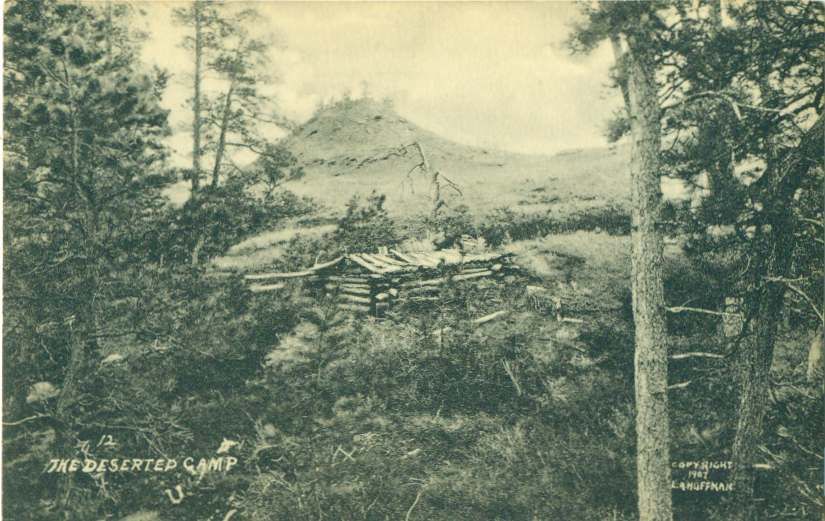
column 357, row 146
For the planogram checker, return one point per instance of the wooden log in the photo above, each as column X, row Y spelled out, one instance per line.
column 327, row 264
column 294, row 274
column 350, row 279
column 354, row 307
column 488, row 318
column 258, row 288
column 485, row 273
column 291, row 275
column 355, row 291
column 680, row 356
column 382, row 262
column 349, row 288
column 386, row 259
column 423, row 290
column 403, row 257
column 418, row 283
column 471, row 271
column 474, row 270
column 353, row 298
column 364, row 263
column 352, row 285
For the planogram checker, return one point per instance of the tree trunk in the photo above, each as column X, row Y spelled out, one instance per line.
column 754, row 365
column 196, row 102
column 227, row 107
column 716, row 147
column 83, row 345
column 618, row 56
column 652, row 429
column 777, row 186
column 196, row 251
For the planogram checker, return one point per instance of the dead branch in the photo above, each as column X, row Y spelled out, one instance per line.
column 417, row 499
column 724, row 97
column 488, row 318
column 26, row 420
column 346, row 454
column 684, row 309
column 512, row 376
column 812, row 221
column 801, row 293
column 696, row 354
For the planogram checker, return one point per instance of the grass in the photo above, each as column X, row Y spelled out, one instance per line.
column 264, row 249
column 533, row 184
column 557, row 256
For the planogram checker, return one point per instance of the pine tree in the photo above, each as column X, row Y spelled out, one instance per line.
column 631, row 29
column 745, row 112
column 83, row 174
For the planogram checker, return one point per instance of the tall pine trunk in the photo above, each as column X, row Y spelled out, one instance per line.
column 652, row 429
column 227, row 109
column 754, row 363
column 82, row 343
column 196, row 101
column 779, row 183
column 712, row 132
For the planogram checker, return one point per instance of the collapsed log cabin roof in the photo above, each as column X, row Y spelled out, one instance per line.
column 394, row 262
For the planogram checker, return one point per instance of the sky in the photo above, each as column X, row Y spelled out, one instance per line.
column 496, row 75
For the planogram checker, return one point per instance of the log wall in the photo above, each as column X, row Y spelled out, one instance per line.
column 376, row 294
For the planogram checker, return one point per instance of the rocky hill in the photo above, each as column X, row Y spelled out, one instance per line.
column 357, row 146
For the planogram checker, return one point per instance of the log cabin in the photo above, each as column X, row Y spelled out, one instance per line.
column 372, row 282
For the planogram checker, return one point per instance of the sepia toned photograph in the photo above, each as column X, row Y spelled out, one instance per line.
column 413, row 261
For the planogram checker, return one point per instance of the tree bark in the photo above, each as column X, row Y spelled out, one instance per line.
column 83, row 344
column 777, row 186
column 618, row 56
column 196, row 102
column 652, row 428
column 227, row 107
column 717, row 149
column 754, row 365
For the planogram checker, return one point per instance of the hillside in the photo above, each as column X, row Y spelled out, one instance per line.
column 356, row 146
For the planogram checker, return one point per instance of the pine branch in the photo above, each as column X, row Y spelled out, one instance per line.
column 790, row 285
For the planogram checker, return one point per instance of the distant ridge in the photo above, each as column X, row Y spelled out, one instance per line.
column 357, row 146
